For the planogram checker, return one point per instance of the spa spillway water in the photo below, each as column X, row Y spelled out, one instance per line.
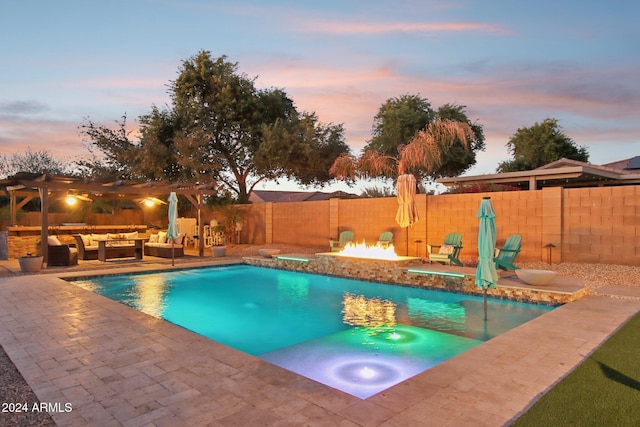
column 358, row 337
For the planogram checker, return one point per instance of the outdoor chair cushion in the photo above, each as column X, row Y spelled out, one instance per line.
column 53, row 241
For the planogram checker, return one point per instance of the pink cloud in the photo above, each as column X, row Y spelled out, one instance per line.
column 62, row 139
column 332, row 27
column 501, row 100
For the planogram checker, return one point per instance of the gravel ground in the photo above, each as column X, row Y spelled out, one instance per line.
column 595, row 275
column 14, row 389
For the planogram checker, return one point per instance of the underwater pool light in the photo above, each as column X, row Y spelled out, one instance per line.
column 367, row 373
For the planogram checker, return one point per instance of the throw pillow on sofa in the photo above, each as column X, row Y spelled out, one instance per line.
column 178, row 240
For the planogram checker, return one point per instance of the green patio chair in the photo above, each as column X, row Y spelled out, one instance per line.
column 448, row 252
column 506, row 256
column 338, row 245
column 385, row 238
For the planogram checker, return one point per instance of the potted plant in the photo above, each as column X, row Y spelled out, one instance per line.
column 30, row 263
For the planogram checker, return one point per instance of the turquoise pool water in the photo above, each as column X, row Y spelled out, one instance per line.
column 360, row 337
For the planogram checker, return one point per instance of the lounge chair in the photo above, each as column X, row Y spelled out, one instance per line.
column 59, row 254
column 448, row 252
column 506, row 256
column 385, row 238
column 338, row 245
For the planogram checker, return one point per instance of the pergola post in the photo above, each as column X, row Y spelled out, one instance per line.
column 197, row 203
column 44, row 221
column 200, row 226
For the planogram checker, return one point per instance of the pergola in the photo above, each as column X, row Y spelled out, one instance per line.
column 49, row 187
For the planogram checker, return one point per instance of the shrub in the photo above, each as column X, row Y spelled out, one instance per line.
column 481, row 187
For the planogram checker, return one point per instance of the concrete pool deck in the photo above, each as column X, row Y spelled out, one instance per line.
column 117, row 366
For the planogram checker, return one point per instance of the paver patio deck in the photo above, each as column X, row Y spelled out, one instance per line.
column 117, row 366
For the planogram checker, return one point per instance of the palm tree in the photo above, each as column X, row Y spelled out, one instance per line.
column 424, row 153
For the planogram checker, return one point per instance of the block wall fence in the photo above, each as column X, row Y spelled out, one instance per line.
column 594, row 225
column 591, row 225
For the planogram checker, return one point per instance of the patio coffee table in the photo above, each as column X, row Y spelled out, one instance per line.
column 108, row 243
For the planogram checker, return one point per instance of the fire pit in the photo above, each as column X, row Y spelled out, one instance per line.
column 366, row 262
column 362, row 250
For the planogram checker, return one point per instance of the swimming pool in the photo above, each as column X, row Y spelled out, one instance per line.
column 359, row 337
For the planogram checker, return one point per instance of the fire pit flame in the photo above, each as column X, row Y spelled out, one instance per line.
column 362, row 250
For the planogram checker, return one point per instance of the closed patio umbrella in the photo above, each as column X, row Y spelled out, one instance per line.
column 172, row 230
column 407, row 214
column 486, row 275
column 406, row 188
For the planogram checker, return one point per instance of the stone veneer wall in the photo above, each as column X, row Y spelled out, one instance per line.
column 22, row 245
column 396, row 273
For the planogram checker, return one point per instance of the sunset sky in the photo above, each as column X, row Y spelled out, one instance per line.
column 511, row 62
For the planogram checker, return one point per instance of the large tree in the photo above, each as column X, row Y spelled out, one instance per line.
column 112, row 154
column 397, row 122
column 400, row 120
column 461, row 155
column 302, row 148
column 221, row 128
column 540, row 144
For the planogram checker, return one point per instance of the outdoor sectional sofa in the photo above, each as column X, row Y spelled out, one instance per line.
column 87, row 245
column 158, row 245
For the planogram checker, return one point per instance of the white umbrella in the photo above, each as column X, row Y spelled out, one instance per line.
column 486, row 275
column 172, row 230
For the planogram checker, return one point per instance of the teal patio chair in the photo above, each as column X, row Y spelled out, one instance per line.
column 338, row 245
column 385, row 238
column 448, row 252
column 506, row 256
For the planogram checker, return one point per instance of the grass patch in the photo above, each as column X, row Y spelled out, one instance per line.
column 603, row 391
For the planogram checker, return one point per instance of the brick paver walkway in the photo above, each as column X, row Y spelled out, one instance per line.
column 118, row 367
